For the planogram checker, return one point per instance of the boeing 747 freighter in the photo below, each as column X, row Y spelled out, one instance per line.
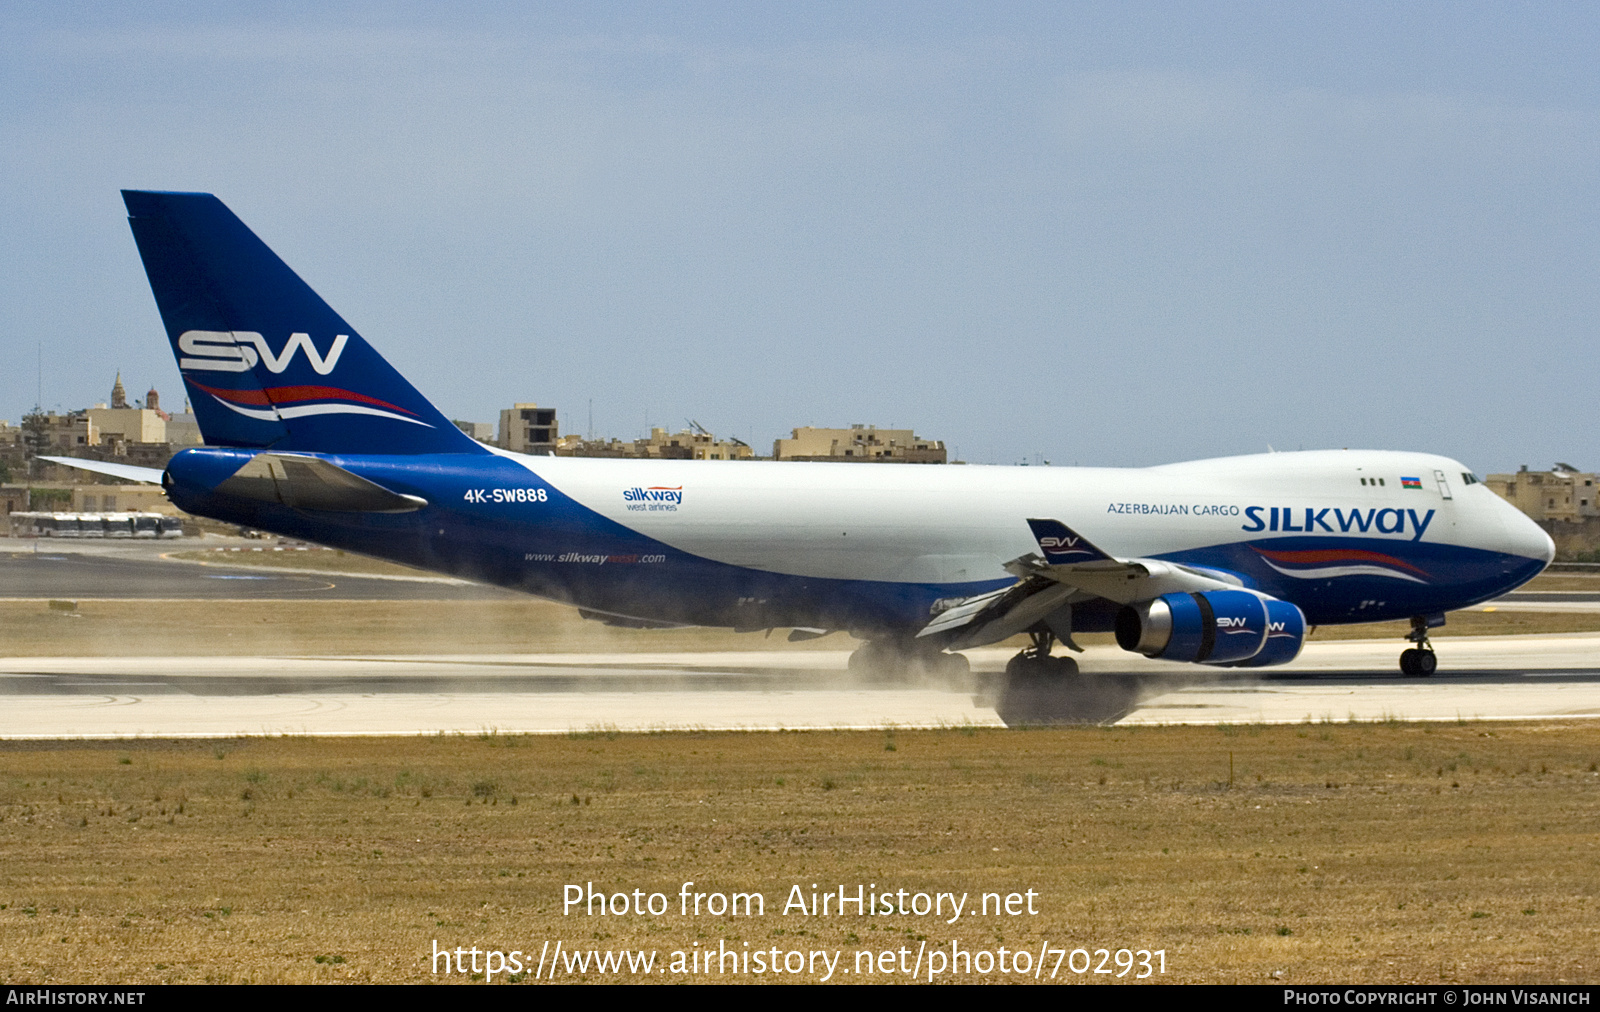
column 311, row 434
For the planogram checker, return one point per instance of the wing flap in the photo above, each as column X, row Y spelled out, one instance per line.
column 991, row 617
column 962, row 613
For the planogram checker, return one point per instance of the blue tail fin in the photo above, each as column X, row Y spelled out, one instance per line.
column 267, row 363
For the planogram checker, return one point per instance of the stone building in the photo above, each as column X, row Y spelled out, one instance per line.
column 689, row 444
column 63, row 497
column 528, row 428
column 1562, row 494
column 139, row 434
column 866, row 444
column 483, row 432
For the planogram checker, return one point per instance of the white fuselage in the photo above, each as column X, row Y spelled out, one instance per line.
column 915, row 523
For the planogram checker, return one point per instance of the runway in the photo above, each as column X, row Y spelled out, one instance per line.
column 84, row 572
column 1501, row 678
column 1481, row 677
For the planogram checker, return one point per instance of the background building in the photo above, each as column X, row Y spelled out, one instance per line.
column 528, row 428
column 695, row 443
column 87, row 497
column 48, row 432
column 483, row 432
column 1560, row 500
column 140, row 434
column 860, row 444
column 140, row 422
column 1562, row 494
column 127, row 425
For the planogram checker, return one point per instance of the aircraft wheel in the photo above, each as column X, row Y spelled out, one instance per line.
column 882, row 661
column 1041, row 669
column 1024, row 667
column 878, row 661
column 1048, row 690
column 1418, row 663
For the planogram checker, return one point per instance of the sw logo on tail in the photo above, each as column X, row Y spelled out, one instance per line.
column 239, row 351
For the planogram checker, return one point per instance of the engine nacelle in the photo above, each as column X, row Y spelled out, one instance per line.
column 1232, row 627
column 1286, row 634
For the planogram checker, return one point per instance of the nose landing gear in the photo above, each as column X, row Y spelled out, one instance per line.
column 1420, row 661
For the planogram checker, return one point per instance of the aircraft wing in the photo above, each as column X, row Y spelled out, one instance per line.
column 1071, row 559
column 127, row 472
column 1069, row 567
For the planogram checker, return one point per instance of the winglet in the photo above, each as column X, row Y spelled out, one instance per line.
column 1062, row 546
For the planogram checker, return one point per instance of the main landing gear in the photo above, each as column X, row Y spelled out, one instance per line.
column 1420, row 661
column 1044, row 690
column 1035, row 661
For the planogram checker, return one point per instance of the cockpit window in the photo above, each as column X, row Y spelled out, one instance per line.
column 1468, row 478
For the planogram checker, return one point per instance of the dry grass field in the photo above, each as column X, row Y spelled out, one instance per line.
column 1339, row 852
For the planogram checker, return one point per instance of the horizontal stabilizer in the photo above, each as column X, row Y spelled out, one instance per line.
column 127, row 472
column 311, row 483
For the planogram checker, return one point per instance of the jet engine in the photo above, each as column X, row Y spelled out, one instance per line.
column 1226, row 627
column 1286, row 634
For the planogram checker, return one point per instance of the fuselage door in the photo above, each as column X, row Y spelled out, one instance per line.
column 1444, row 486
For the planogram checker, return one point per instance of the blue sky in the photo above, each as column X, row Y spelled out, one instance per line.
column 1110, row 234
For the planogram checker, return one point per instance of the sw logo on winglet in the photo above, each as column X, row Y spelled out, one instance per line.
column 1062, row 546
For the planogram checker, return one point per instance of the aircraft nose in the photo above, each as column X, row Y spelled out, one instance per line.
column 1529, row 539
